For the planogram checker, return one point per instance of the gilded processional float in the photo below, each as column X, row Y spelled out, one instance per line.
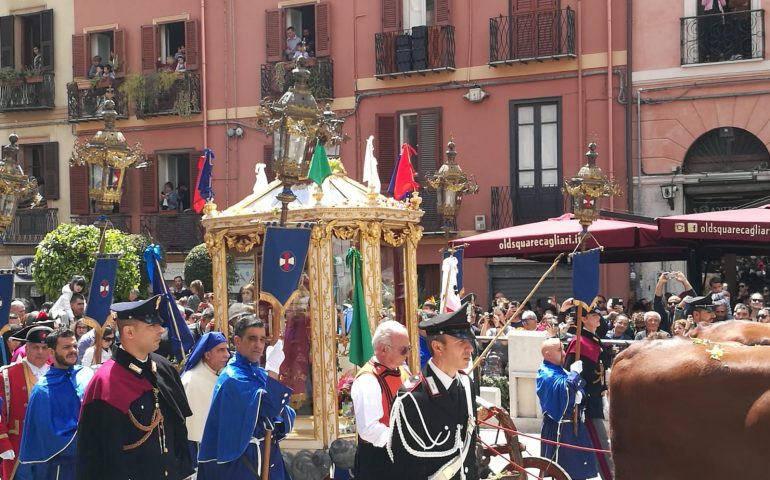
column 341, row 214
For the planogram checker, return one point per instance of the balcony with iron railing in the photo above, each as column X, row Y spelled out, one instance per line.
column 277, row 77
column 117, row 221
column 420, row 50
column 534, row 36
column 30, row 92
column 176, row 232
column 723, row 37
column 31, row 225
column 183, row 98
column 85, row 99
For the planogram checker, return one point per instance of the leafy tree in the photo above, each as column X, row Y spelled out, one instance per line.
column 71, row 250
column 198, row 266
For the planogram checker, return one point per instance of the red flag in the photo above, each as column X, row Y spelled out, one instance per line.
column 405, row 182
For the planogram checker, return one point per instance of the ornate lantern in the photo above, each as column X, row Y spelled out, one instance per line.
column 588, row 187
column 451, row 183
column 296, row 122
column 14, row 185
column 107, row 155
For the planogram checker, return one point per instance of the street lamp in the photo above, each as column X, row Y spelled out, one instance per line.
column 107, row 155
column 587, row 188
column 451, row 183
column 296, row 122
column 14, row 185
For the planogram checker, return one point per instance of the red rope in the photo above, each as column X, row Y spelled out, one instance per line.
column 551, row 442
column 513, row 464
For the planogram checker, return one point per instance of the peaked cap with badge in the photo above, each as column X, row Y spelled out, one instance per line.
column 451, row 323
column 144, row 310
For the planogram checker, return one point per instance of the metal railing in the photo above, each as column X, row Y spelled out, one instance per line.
column 86, row 103
column 419, row 50
column 276, row 78
column 30, row 93
column 502, row 208
column 183, row 98
column 723, row 37
column 532, row 36
column 117, row 221
column 177, row 232
column 31, row 225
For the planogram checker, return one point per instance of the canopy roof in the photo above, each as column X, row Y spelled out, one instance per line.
column 749, row 225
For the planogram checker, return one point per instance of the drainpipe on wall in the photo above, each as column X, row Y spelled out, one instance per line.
column 581, row 134
column 639, row 150
column 629, row 107
column 204, row 84
column 610, row 99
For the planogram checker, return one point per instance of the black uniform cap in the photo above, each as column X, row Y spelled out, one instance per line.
column 452, row 323
column 144, row 310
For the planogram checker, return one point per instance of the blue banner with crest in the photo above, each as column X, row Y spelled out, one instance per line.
column 585, row 277
column 102, row 288
column 283, row 263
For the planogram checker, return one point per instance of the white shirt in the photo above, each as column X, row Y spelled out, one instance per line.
column 37, row 372
column 88, row 357
column 198, row 383
column 367, row 405
column 446, row 380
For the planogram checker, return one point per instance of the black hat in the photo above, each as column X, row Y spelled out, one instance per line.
column 452, row 323
column 144, row 310
column 34, row 333
column 704, row 302
column 594, row 311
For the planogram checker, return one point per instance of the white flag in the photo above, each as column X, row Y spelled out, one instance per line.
column 450, row 300
column 371, row 177
column 260, row 185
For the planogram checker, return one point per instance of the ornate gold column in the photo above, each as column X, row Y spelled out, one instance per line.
column 324, row 330
column 218, row 252
column 372, row 270
column 413, row 236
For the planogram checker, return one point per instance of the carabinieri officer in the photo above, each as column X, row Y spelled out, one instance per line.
column 132, row 425
column 433, row 417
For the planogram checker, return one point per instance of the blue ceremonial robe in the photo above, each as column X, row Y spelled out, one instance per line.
column 556, row 390
column 245, row 404
column 48, row 442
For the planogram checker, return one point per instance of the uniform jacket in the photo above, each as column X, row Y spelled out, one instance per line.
column 15, row 387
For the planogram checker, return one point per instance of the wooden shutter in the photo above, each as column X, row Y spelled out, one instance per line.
column 79, row 58
column 149, row 180
column 322, row 30
column 46, row 39
column 429, row 159
column 51, row 170
column 267, row 159
column 79, row 190
column 6, row 42
column 386, row 145
column 119, row 47
column 442, row 12
column 274, row 36
column 150, row 49
column 124, row 206
column 192, row 42
column 391, row 15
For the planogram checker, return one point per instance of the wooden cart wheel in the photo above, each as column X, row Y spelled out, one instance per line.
column 547, row 468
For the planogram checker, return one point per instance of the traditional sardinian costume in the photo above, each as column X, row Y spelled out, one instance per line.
column 434, row 415
column 48, row 443
column 557, row 390
column 246, row 403
column 132, row 425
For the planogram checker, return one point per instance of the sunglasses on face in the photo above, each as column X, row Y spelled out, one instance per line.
column 757, row 300
column 109, row 339
column 762, row 316
column 403, row 350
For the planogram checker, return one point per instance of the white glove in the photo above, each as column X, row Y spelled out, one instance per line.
column 576, row 367
column 578, row 397
column 274, row 357
column 8, row 455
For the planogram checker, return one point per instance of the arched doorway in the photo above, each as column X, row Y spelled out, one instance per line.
column 726, row 149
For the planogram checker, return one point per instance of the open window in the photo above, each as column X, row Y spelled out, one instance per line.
column 180, row 168
column 722, row 31
column 104, row 46
column 163, row 41
column 41, row 160
column 19, row 37
column 286, row 28
column 400, row 15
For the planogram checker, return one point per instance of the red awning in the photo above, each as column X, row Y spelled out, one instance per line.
column 749, row 225
column 556, row 235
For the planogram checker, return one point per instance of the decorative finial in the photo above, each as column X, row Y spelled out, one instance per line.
column 591, row 153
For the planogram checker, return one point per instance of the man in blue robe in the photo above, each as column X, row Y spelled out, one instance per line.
column 248, row 401
column 559, row 392
column 48, row 443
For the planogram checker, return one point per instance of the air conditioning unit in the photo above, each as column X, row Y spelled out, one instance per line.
column 480, row 222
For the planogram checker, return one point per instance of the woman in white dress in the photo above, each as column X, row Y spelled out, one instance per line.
column 108, row 340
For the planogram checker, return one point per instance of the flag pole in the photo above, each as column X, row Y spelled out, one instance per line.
column 170, row 312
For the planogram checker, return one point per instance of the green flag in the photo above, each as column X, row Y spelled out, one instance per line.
column 319, row 165
column 360, row 338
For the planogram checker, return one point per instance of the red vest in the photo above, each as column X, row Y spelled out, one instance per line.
column 390, row 381
column 16, row 382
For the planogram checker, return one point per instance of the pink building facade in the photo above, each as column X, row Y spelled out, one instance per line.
column 553, row 74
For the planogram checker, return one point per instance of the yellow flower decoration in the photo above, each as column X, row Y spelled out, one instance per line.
column 716, row 352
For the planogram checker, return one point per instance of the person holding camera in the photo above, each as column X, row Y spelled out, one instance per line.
column 671, row 311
